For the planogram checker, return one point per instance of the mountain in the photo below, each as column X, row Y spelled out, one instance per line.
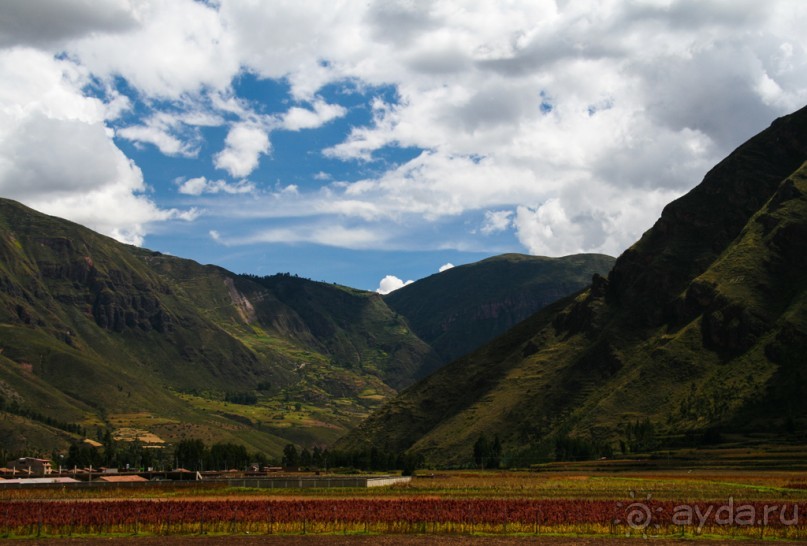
column 462, row 308
column 98, row 336
column 697, row 335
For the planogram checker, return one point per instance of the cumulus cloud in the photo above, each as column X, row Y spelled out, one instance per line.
column 390, row 283
column 547, row 229
column 72, row 169
column 244, row 145
column 176, row 48
column 57, row 155
column 446, row 267
column 52, row 22
column 92, row 160
column 568, row 125
column 598, row 98
column 200, row 185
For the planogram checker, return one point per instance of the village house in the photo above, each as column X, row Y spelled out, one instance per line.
column 30, row 466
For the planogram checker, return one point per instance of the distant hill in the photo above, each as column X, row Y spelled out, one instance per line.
column 464, row 307
column 97, row 336
column 697, row 335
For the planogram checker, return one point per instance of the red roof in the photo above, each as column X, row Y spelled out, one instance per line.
column 122, row 479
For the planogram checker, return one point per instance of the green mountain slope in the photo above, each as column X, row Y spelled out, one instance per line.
column 96, row 336
column 699, row 332
column 462, row 308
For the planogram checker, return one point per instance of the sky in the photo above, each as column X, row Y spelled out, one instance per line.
column 371, row 143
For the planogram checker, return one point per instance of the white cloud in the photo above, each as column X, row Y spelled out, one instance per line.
column 164, row 141
column 390, row 283
column 57, row 156
column 495, row 221
column 446, row 267
column 61, row 157
column 317, row 233
column 244, row 145
column 72, row 169
column 593, row 98
column 302, row 118
column 176, row 48
column 584, row 118
column 173, row 133
column 200, row 185
column 289, row 39
column 34, row 82
column 547, row 230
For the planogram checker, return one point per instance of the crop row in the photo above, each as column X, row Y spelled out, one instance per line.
column 418, row 515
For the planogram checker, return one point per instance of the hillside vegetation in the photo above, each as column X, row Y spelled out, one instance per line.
column 461, row 309
column 98, row 337
column 97, row 334
column 697, row 336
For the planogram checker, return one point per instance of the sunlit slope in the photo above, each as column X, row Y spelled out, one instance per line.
column 94, row 332
column 700, row 328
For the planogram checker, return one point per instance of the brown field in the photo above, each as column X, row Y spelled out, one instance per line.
column 406, row 540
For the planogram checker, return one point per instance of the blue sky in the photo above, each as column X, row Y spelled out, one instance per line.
column 362, row 142
column 296, row 160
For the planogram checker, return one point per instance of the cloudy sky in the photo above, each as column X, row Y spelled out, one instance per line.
column 373, row 142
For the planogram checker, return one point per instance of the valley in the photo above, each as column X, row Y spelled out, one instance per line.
column 100, row 337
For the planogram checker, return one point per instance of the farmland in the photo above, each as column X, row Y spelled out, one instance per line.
column 675, row 504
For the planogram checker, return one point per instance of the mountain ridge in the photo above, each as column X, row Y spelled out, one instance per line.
column 697, row 329
column 461, row 308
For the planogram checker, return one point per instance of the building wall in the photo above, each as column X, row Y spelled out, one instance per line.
column 37, row 467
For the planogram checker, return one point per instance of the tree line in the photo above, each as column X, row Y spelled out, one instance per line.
column 371, row 458
column 15, row 408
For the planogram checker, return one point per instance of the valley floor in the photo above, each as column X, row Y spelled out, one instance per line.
column 459, row 507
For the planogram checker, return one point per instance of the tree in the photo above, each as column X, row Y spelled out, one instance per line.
column 224, row 456
column 410, row 462
column 494, row 459
column 641, row 436
column 481, row 451
column 290, row 456
column 305, row 457
column 82, row 456
column 316, row 457
column 110, row 449
column 190, row 454
column 260, row 459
